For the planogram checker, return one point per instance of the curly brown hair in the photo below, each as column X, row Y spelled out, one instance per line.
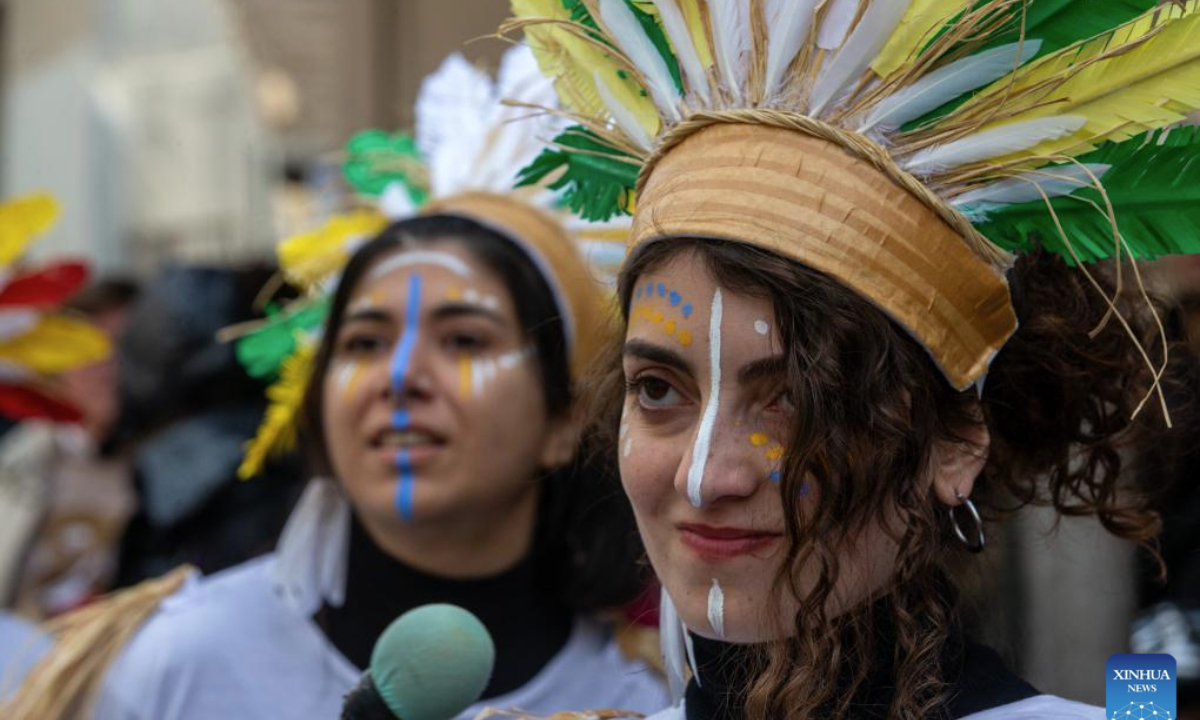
column 870, row 404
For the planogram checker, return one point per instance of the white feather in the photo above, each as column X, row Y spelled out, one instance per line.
column 788, row 22
column 622, row 116
column 836, row 24
column 988, row 144
column 453, row 111
column 624, row 28
column 515, row 138
column 856, row 55
column 395, row 203
column 730, row 21
column 677, row 31
column 1053, row 181
column 943, row 85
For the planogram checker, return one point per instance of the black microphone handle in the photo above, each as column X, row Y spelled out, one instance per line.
column 365, row 703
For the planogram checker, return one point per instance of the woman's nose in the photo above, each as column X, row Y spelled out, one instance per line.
column 718, row 467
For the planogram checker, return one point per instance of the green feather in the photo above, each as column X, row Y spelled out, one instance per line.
column 596, row 180
column 1057, row 23
column 263, row 351
column 650, row 26
column 375, row 159
column 1155, row 192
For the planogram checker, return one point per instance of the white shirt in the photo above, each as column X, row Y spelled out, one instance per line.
column 231, row 646
column 1040, row 707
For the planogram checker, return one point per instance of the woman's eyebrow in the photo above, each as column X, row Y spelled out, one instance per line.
column 762, row 369
column 657, row 354
column 368, row 314
column 447, row 311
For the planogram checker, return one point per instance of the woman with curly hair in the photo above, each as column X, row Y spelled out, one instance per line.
column 853, row 335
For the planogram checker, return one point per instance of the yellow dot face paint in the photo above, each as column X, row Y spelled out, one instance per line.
column 759, row 439
column 775, row 453
column 455, row 293
column 685, row 338
column 657, row 318
column 669, row 327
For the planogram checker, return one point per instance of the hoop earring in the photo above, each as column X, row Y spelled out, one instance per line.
column 977, row 546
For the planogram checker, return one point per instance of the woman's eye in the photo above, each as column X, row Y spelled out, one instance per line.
column 654, row 393
column 469, row 343
column 782, row 404
column 363, row 344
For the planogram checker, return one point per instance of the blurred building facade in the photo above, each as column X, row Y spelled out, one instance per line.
column 164, row 126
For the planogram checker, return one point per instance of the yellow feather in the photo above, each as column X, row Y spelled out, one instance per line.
column 696, row 26
column 21, row 220
column 56, row 344
column 277, row 433
column 573, row 62
column 1148, row 87
column 308, row 258
column 915, row 30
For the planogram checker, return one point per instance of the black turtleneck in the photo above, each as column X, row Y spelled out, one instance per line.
column 527, row 624
column 979, row 681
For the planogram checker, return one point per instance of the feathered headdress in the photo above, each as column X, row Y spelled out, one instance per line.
column 463, row 160
column 36, row 342
column 908, row 148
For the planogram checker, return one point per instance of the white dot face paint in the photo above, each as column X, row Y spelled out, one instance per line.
column 485, row 370
column 412, row 258
column 761, row 327
column 628, row 447
column 700, row 449
column 716, row 609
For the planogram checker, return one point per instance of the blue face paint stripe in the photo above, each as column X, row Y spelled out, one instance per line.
column 404, row 490
column 408, row 339
column 399, row 371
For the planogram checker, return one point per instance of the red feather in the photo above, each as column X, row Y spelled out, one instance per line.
column 18, row 402
column 46, row 287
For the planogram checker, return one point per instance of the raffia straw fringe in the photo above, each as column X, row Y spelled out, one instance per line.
column 64, row 684
column 580, row 715
column 851, row 142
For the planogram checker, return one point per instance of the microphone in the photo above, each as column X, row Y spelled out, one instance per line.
column 431, row 663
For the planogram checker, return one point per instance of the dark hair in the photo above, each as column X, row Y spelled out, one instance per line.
column 869, row 406
column 586, row 543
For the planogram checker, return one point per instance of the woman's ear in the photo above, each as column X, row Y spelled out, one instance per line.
column 956, row 464
column 562, row 440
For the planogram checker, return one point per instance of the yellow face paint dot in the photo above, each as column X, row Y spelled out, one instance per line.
column 775, row 453
column 658, row 317
column 669, row 327
column 455, row 293
column 759, row 439
column 685, row 338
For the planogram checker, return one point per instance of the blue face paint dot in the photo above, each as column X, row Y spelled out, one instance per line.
column 775, row 477
column 675, row 298
column 662, row 290
column 638, row 295
column 649, row 290
column 687, row 310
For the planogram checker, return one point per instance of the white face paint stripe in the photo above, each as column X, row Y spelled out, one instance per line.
column 709, row 418
column 716, row 609
column 409, row 258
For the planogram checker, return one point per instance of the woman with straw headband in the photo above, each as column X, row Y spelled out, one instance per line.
column 437, row 406
column 853, row 332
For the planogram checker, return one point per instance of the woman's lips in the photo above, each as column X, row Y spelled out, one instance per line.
column 725, row 543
